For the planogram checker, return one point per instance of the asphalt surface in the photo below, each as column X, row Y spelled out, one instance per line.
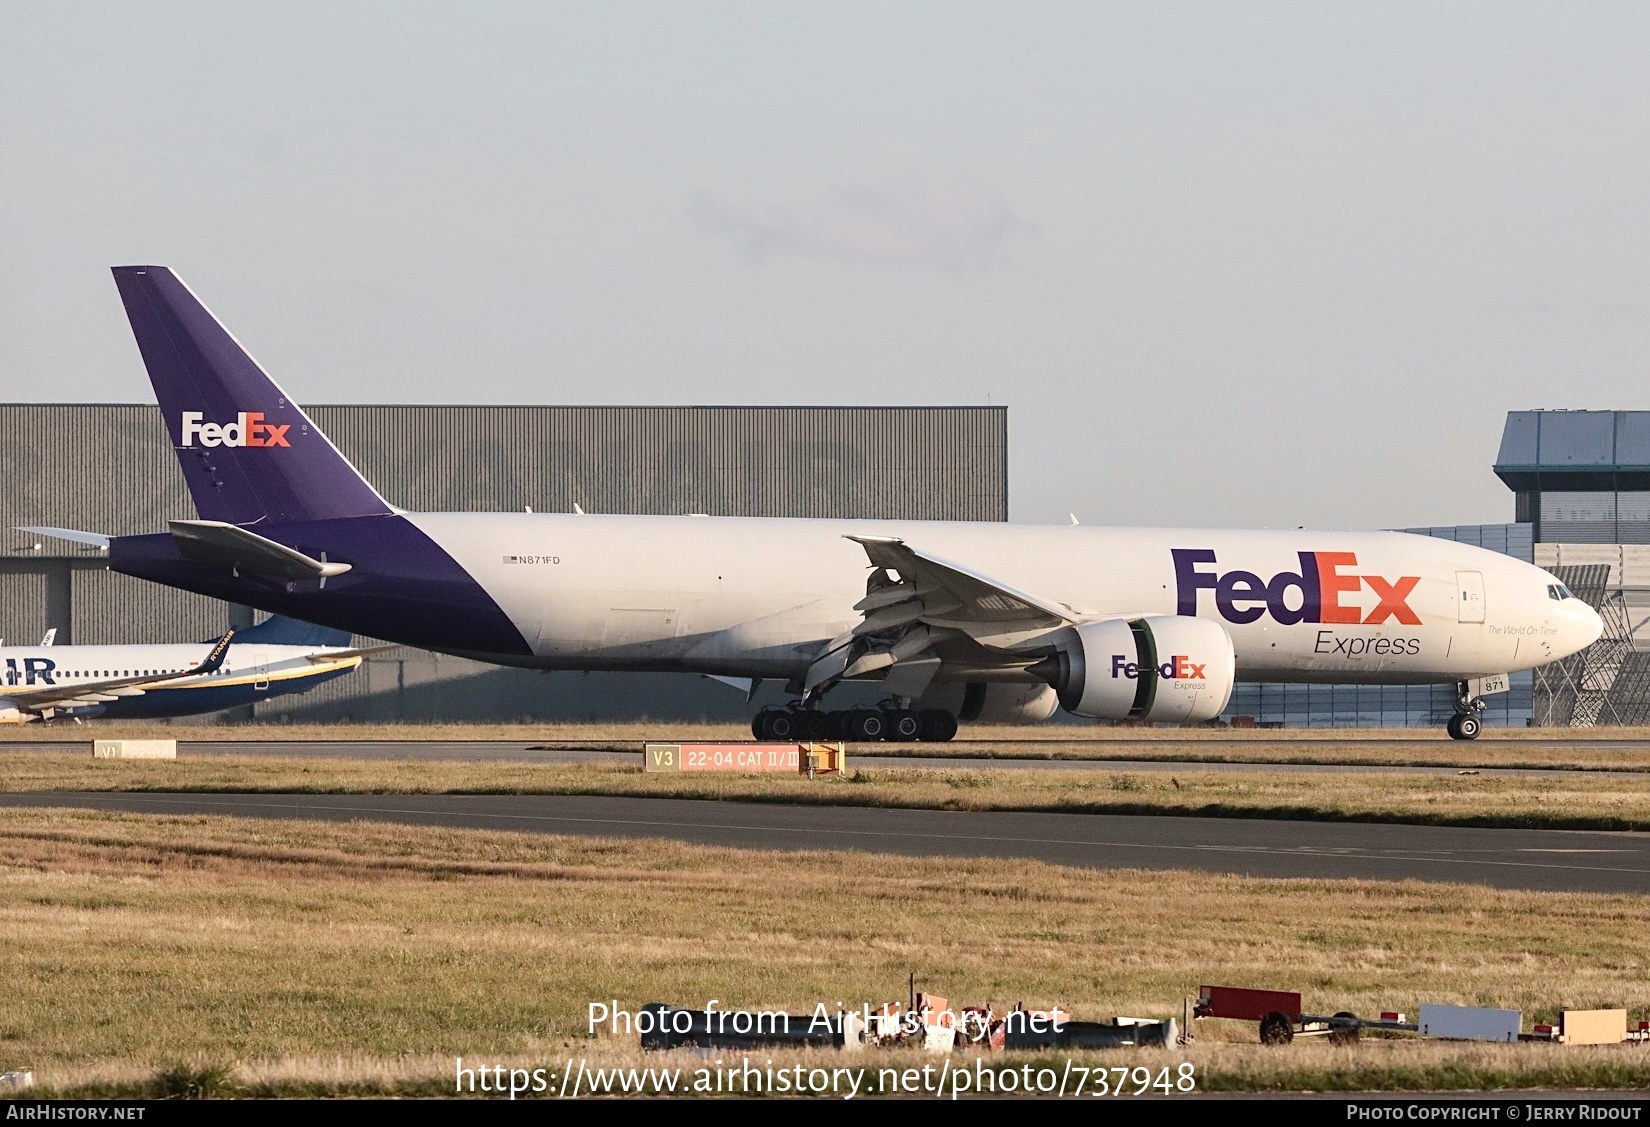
column 1547, row 860
column 626, row 752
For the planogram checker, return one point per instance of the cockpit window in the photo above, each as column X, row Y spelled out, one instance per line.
column 1559, row 592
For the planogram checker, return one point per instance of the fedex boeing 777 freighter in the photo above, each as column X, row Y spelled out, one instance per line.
column 948, row 618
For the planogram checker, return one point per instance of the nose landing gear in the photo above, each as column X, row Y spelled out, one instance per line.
column 1465, row 725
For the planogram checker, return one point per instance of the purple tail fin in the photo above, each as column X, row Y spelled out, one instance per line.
column 248, row 452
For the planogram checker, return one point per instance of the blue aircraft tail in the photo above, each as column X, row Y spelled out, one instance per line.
column 248, row 452
column 278, row 630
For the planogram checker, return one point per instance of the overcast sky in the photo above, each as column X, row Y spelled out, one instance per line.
column 1257, row 264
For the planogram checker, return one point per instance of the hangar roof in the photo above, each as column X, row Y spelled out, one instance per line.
column 1575, row 450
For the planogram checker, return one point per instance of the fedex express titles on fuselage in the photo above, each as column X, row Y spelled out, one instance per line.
column 1349, row 607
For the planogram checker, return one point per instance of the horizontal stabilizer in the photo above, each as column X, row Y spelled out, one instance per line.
column 95, row 539
column 227, row 545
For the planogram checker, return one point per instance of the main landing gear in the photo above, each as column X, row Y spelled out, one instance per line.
column 1465, row 725
column 862, row 725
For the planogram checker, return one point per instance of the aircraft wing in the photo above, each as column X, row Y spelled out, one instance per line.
column 321, row 657
column 47, row 698
column 917, row 604
column 944, row 594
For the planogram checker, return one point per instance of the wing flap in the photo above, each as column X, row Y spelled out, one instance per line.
column 953, row 594
column 918, row 604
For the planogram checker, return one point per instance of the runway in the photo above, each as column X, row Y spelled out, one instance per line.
column 630, row 752
column 1546, row 860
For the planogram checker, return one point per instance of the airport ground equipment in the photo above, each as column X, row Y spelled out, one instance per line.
column 1120, row 1032
column 809, row 759
column 1591, row 1027
column 1469, row 1023
column 930, row 1024
column 134, row 749
column 670, row 1027
column 1279, row 1015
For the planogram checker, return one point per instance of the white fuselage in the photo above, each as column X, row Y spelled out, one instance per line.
column 757, row 597
column 25, row 667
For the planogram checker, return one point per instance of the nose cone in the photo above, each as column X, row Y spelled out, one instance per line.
column 1579, row 627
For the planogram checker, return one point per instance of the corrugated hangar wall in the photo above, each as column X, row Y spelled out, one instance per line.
column 110, row 468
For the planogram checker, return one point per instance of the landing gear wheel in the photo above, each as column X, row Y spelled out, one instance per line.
column 836, row 725
column 1276, row 1029
column 1465, row 726
column 867, row 725
column 784, row 726
column 904, row 725
column 813, row 725
column 1344, row 1029
column 937, row 725
column 759, row 725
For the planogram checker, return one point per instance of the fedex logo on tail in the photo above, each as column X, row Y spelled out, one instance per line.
column 248, row 429
column 1243, row 596
column 1179, row 667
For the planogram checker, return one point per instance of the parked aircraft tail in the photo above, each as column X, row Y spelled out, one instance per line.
column 248, row 452
column 278, row 630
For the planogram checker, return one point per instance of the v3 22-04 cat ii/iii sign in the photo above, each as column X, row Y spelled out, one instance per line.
column 976, row 619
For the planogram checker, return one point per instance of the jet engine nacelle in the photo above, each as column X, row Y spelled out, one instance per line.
column 993, row 702
column 1161, row 667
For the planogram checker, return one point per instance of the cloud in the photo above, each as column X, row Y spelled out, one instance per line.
column 956, row 226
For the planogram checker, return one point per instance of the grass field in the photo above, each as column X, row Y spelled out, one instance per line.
column 305, row 957
column 1568, row 801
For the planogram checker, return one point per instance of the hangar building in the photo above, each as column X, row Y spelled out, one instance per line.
column 110, row 468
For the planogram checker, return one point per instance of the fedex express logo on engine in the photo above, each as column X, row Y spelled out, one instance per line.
column 1243, row 596
column 248, row 429
column 1179, row 667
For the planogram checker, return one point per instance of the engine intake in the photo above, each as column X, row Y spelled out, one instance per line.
column 1161, row 667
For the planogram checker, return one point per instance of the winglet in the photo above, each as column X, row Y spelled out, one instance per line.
column 214, row 659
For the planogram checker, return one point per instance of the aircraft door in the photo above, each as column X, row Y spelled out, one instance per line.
column 1469, row 601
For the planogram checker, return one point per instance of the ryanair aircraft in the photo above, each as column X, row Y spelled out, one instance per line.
column 949, row 619
column 275, row 658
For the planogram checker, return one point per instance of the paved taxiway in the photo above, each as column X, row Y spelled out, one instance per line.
column 1549, row 860
column 629, row 752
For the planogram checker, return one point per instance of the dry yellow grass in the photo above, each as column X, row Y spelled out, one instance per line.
column 1569, row 801
column 364, row 957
